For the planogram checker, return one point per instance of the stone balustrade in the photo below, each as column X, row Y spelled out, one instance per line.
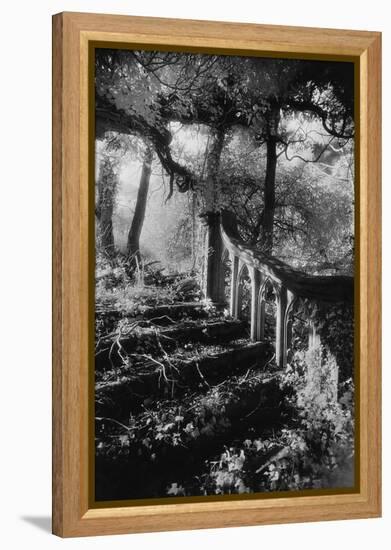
column 222, row 239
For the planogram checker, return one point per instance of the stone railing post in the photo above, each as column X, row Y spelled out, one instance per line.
column 214, row 268
column 261, row 319
column 261, row 309
column 282, row 302
column 288, row 325
column 313, row 336
column 255, row 286
column 239, row 297
column 233, row 305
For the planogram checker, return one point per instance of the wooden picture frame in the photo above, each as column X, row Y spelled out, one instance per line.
column 73, row 34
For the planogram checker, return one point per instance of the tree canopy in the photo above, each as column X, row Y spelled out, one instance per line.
column 279, row 131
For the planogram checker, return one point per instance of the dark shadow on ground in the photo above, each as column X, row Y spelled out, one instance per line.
column 41, row 522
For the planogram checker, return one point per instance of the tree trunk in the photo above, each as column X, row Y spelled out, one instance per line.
column 213, row 277
column 212, row 194
column 270, row 180
column 269, row 195
column 105, row 206
column 133, row 246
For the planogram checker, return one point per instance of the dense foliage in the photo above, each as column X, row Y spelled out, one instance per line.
column 315, row 450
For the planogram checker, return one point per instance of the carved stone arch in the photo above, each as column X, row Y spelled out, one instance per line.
column 278, row 288
column 243, row 266
column 244, row 270
column 291, row 302
column 233, row 303
column 261, row 317
column 268, row 280
column 296, row 325
column 225, row 254
column 256, row 280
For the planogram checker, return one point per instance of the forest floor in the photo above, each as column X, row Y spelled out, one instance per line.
column 185, row 403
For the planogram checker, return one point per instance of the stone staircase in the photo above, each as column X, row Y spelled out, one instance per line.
column 176, row 357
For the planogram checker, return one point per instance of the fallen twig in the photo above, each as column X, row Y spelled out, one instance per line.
column 201, row 375
column 106, row 419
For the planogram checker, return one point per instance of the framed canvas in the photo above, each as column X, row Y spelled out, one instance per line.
column 216, row 274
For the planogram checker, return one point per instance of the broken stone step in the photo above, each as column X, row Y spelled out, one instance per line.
column 164, row 315
column 209, row 331
column 176, row 311
column 110, row 352
column 118, row 398
column 144, row 468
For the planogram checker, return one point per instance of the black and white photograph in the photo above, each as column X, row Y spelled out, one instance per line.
column 224, row 275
